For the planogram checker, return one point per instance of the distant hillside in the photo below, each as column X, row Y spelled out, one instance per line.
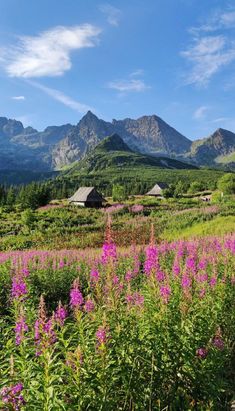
column 113, row 153
column 113, row 162
column 218, row 148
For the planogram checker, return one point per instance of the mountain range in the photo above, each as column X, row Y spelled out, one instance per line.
column 58, row 147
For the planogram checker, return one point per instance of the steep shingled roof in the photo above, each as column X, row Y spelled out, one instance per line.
column 84, row 194
column 157, row 189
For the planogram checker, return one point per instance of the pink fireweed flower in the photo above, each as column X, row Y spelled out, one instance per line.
column 165, row 292
column 20, row 329
column 129, row 298
column 89, row 306
column 60, row 315
column 151, row 259
column 94, row 276
column 160, row 276
column 218, row 343
column 176, row 268
column 19, row 288
column 128, row 276
column 61, row 264
column 101, row 335
column 115, row 280
column 151, row 253
column 202, row 264
column 191, row 264
column 202, row 353
column 202, row 278
column 12, row 396
column 109, row 251
column 137, row 208
column 44, row 334
column 25, row 272
column 186, row 281
column 76, row 298
column 213, row 281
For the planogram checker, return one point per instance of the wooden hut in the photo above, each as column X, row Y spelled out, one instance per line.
column 157, row 190
column 87, row 197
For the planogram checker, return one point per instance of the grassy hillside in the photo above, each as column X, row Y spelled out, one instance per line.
column 113, row 162
column 229, row 158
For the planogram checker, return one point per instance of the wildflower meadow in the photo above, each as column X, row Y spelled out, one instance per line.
column 141, row 328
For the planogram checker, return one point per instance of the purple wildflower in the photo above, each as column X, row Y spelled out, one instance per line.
column 218, row 342
column 151, row 259
column 20, row 329
column 213, row 281
column 76, row 298
column 160, row 276
column 137, row 208
column 12, row 396
column 128, row 276
column 44, row 334
column 101, row 335
column 60, row 315
column 94, row 276
column 202, row 353
column 186, row 282
column 165, row 293
column 89, row 306
column 19, row 288
column 136, row 299
column 176, row 268
column 115, row 280
column 109, row 251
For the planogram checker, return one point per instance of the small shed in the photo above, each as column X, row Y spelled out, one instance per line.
column 87, row 197
column 157, row 190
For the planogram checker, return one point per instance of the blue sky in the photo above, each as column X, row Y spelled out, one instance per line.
column 173, row 58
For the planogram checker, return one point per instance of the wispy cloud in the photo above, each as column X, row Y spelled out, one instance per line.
column 207, row 55
column 219, row 19
column 220, row 119
column 112, row 13
column 130, row 84
column 211, row 47
column 137, row 73
column 200, row 112
column 18, row 98
column 49, row 53
column 62, row 98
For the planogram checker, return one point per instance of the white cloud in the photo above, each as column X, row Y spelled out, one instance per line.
column 218, row 20
column 18, row 98
column 227, row 19
column 200, row 112
column 220, row 119
column 62, row 98
column 49, row 53
column 130, row 84
column 112, row 13
column 137, row 73
column 207, row 55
